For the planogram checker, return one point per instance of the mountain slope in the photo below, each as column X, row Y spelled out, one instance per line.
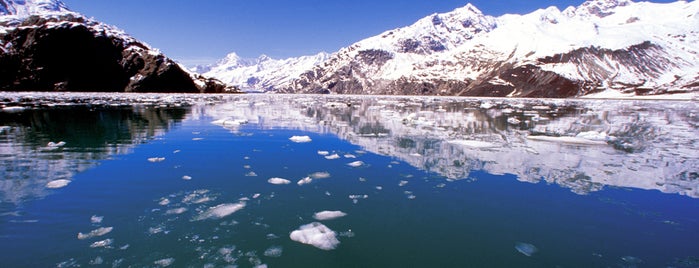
column 46, row 47
column 611, row 47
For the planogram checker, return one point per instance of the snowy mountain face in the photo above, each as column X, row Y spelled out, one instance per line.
column 607, row 48
column 46, row 47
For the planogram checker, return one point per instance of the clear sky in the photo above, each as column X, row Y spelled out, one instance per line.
column 202, row 31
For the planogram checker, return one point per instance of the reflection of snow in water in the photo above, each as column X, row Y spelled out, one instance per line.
column 317, row 235
column 57, row 184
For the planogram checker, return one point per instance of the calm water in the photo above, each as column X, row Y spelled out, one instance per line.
column 185, row 181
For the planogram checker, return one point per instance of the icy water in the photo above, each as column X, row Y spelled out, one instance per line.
column 326, row 181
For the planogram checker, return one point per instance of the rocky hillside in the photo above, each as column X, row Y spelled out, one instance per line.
column 603, row 48
column 46, row 47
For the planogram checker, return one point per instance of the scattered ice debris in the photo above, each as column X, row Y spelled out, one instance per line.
column 278, row 181
column 274, row 252
column 526, row 248
column 247, row 166
column 164, row 262
column 95, row 233
column 402, row 183
column 323, row 153
column 102, row 243
column 332, row 157
column 176, row 211
column 320, row 175
column 356, row 164
column 255, row 196
column 631, row 260
column 156, row 159
column 96, row 219
column 185, row 177
column 220, row 211
column 328, row 215
column 158, row 229
column 304, row 181
column 441, row 185
column 355, row 197
column 348, row 233
column 272, row 236
column 316, row 234
column 251, row 174
column 411, row 197
column 57, row 184
column 300, row 139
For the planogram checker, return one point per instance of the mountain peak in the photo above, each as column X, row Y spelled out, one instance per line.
column 600, row 8
column 31, row 7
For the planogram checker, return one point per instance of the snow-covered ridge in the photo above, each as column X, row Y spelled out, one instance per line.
column 630, row 48
column 23, row 8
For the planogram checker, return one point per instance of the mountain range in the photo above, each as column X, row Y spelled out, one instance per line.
column 46, row 47
column 602, row 48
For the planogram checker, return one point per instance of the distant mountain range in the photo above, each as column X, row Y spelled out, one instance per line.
column 602, row 48
column 46, row 47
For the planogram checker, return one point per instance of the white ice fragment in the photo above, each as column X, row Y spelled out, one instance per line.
column 56, row 144
column 220, row 211
column 164, row 262
column 513, row 121
column 300, row 139
column 316, row 234
column 328, row 215
column 164, row 202
column 197, row 139
column 332, row 157
column 156, row 159
column 595, row 136
column 526, row 249
column 102, row 243
column 402, row 183
column 350, row 156
column 320, row 175
column 55, row 184
column 323, row 153
column 356, row 164
column 304, row 181
column 278, row 181
column 379, row 188
column 96, row 219
column 251, row 174
column 185, row 177
column 95, row 233
column 13, row 109
column 274, row 252
column 255, row 196
column 176, row 211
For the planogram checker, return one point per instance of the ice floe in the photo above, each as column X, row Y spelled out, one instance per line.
column 316, row 234
column 95, row 233
column 304, row 181
column 164, row 262
column 55, row 184
column 274, row 252
column 255, row 196
column 356, row 164
column 156, row 159
column 278, row 181
column 220, row 211
column 320, row 175
column 96, row 219
column 402, row 183
column 328, row 215
column 176, row 211
column 102, row 243
column 185, row 177
column 332, row 157
column 526, row 249
column 323, row 153
column 55, row 145
column 300, row 139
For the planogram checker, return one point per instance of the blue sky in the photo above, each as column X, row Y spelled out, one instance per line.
column 200, row 31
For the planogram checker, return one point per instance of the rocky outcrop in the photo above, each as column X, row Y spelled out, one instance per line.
column 69, row 52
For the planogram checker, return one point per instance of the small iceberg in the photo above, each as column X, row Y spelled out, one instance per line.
column 304, row 181
column 328, row 215
column 332, row 157
column 320, row 175
column 526, row 249
column 102, row 244
column 356, row 164
column 57, row 184
column 300, row 139
column 96, row 219
column 95, row 233
column 220, row 211
column 156, row 159
column 323, row 153
column 185, row 177
column 278, row 181
column 316, row 234
column 164, row 262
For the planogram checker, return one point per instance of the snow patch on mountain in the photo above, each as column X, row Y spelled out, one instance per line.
column 23, row 8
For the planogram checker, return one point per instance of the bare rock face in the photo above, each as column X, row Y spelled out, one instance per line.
column 68, row 52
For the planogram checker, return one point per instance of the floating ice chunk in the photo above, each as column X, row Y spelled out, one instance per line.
column 300, row 139
column 573, row 140
column 164, row 202
column 156, row 159
column 57, row 184
column 332, row 157
column 56, row 144
column 348, row 234
column 164, row 262
column 102, row 244
column 230, row 122
column 220, row 211
column 350, row 156
column 304, row 181
column 513, row 121
column 402, row 183
column 526, row 249
column 323, row 153
column 185, row 177
column 379, row 188
column 251, row 174
column 13, row 109
column 176, row 151
column 176, row 211
column 631, row 260
column 473, row 144
column 356, row 164
column 316, row 234
column 197, row 139
column 278, row 181
column 328, row 215
column 95, row 233
column 274, row 252
column 255, row 196
column 96, row 219
column 320, row 175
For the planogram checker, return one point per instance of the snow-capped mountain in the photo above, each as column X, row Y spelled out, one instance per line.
column 263, row 73
column 46, row 47
column 610, row 48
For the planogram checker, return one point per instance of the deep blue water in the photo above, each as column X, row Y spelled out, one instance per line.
column 403, row 214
